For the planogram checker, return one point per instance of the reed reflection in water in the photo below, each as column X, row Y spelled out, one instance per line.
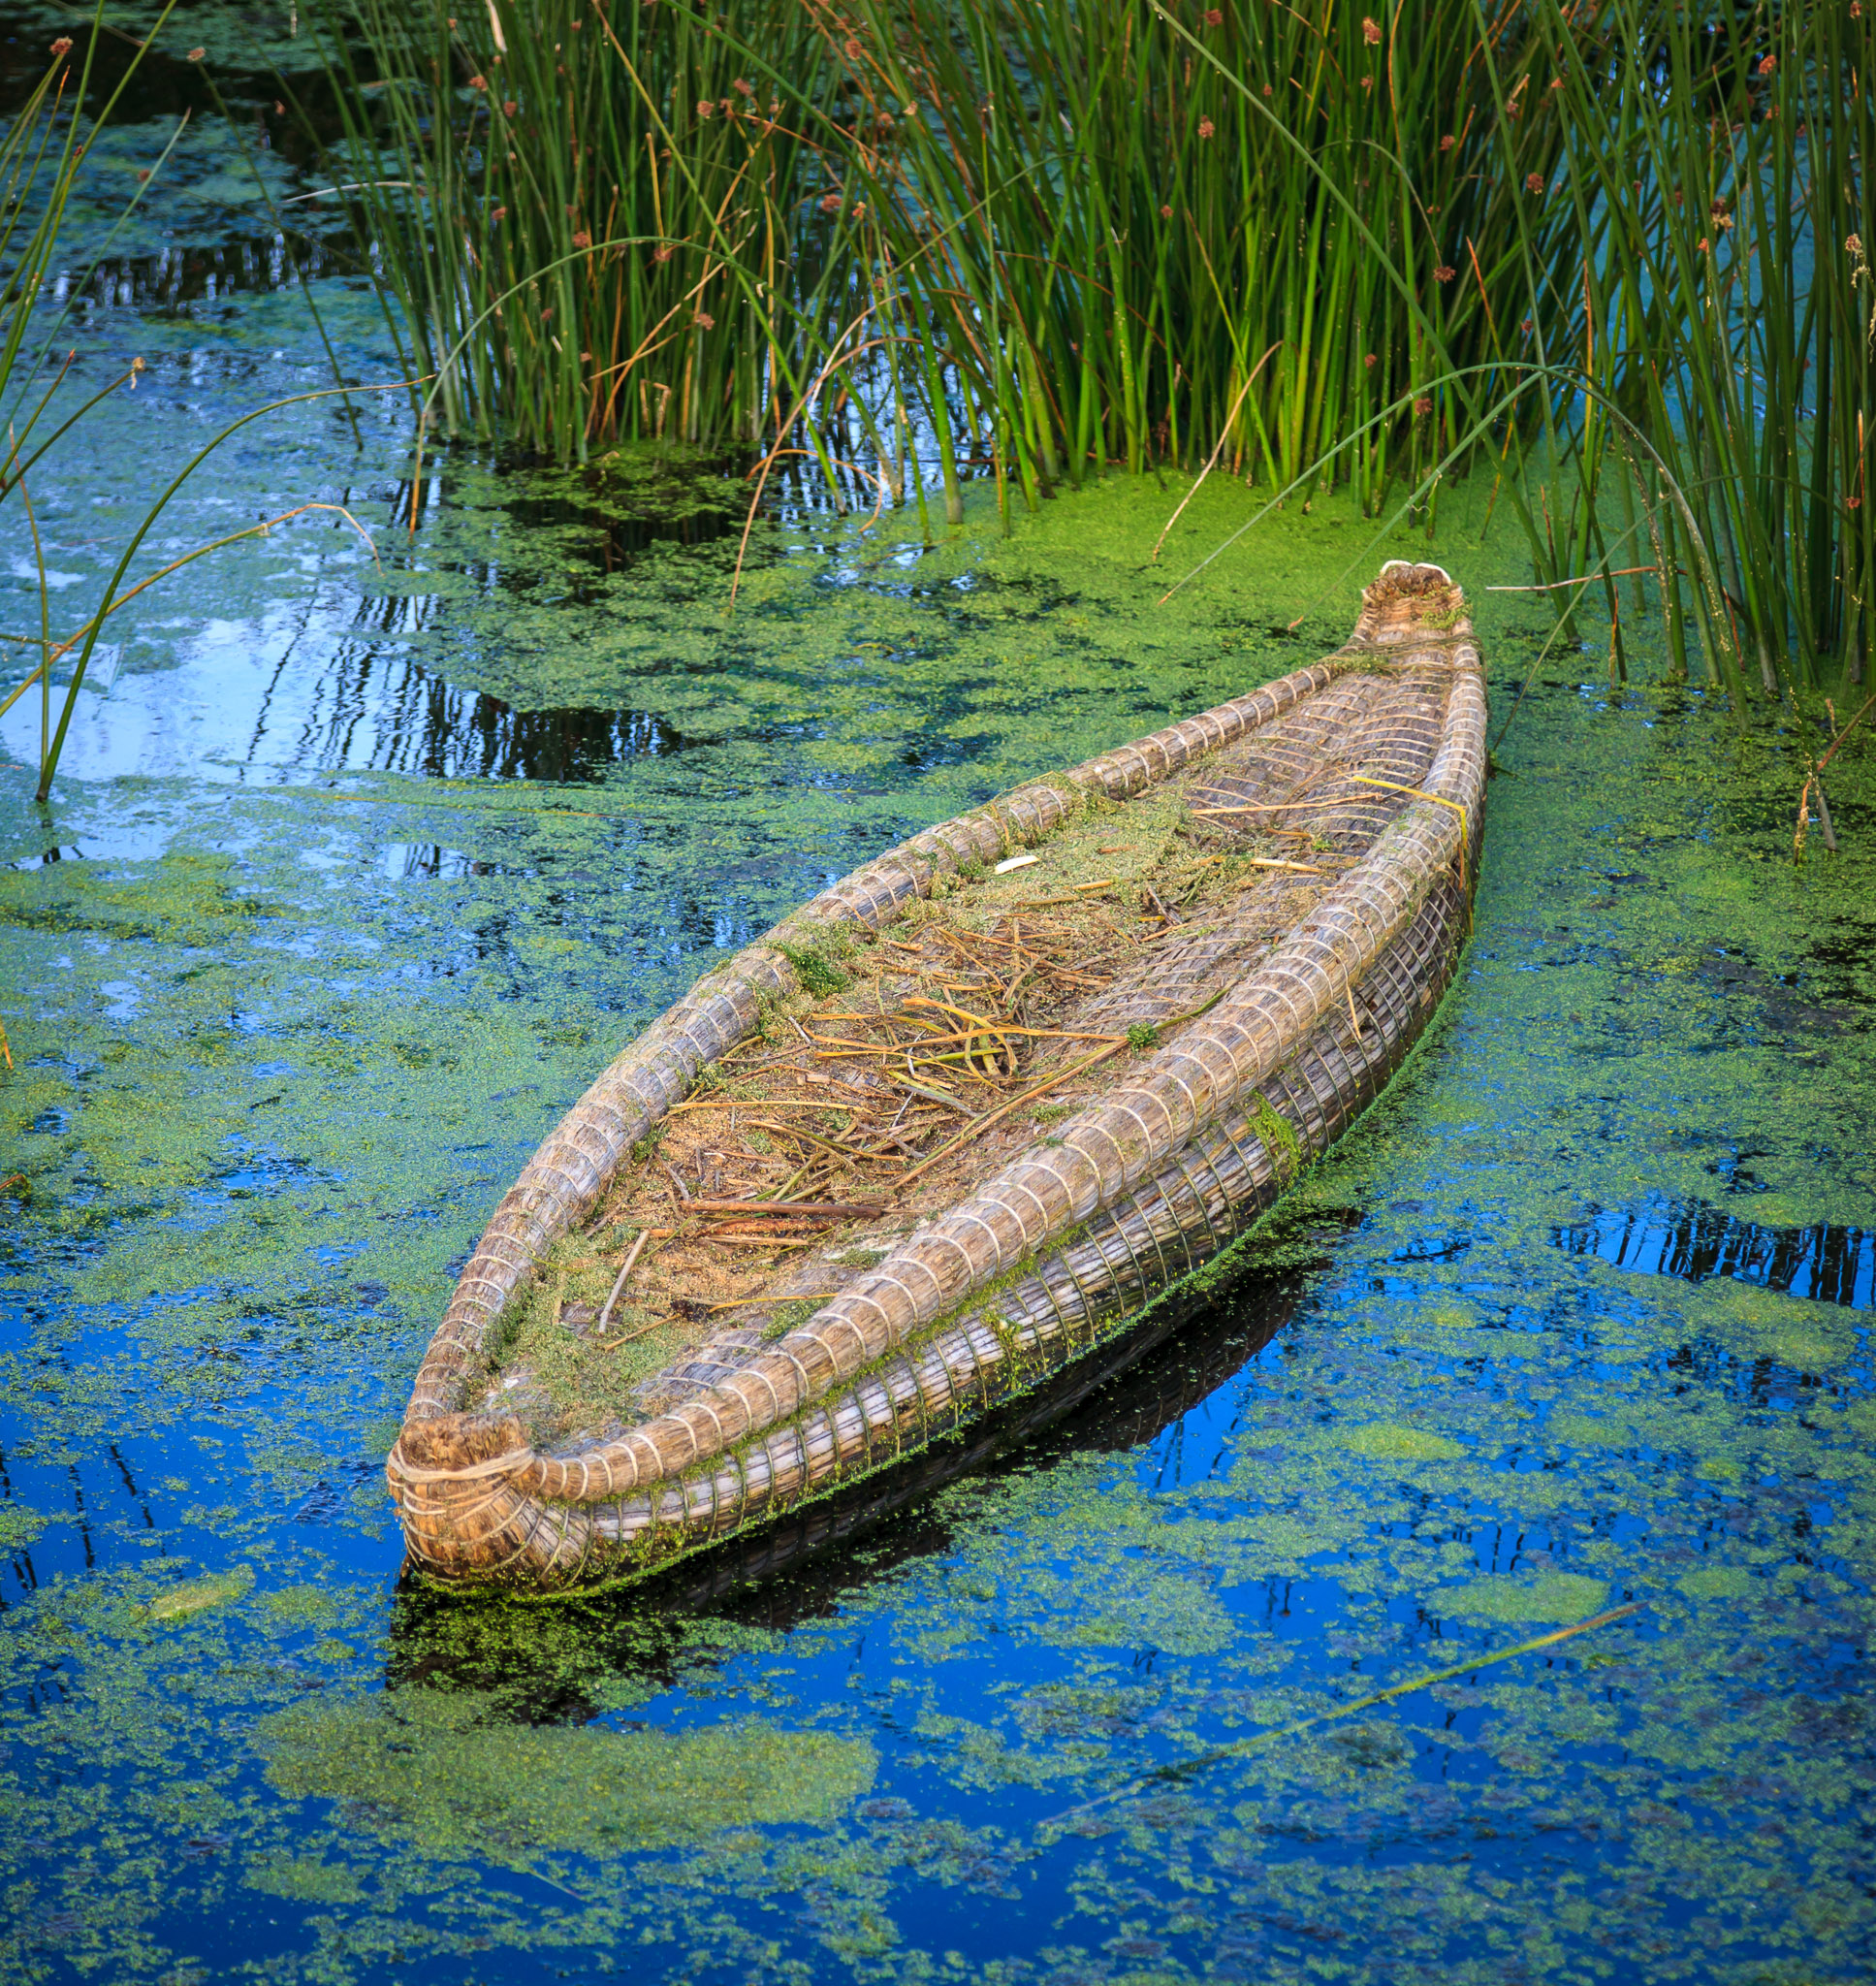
column 1693, row 1240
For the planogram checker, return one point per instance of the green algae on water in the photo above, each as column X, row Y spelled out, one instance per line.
column 267, row 1091
column 446, row 1775
column 197, row 1595
column 1381, row 1442
column 1558, row 1596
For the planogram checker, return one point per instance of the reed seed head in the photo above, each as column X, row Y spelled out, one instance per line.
column 705, row 108
column 1206, row 127
column 1371, row 30
column 581, row 238
column 479, row 83
column 1444, row 273
column 1534, row 182
column 1448, row 142
column 1214, row 16
column 197, row 55
column 1422, row 407
column 63, row 46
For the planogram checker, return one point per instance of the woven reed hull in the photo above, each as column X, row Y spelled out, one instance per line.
column 1320, row 1028
column 799, row 1568
column 1118, row 1395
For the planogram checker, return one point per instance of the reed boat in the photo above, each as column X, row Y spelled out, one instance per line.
column 1002, row 1101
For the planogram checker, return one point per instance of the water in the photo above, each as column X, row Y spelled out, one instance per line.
column 360, row 870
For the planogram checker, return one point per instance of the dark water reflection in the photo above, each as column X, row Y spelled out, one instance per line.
column 173, row 280
column 378, row 713
column 1693, row 1240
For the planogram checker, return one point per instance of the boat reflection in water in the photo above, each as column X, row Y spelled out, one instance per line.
column 540, row 1660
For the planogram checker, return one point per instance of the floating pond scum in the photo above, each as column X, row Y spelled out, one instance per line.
column 1100, row 1024
column 252, row 1185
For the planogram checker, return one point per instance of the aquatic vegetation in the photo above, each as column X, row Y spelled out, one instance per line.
column 1563, row 1329
column 198, row 1595
column 1722, row 332
column 1250, row 238
column 448, row 1774
column 1614, row 259
column 790, row 227
column 591, row 224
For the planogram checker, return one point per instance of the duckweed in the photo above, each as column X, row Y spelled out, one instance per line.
column 1579, row 1314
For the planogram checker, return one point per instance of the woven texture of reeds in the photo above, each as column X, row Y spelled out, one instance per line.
column 1067, row 1244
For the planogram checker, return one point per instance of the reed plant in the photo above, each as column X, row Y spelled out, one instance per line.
column 1688, row 399
column 1725, row 348
column 597, row 222
column 1613, row 252
column 1141, row 235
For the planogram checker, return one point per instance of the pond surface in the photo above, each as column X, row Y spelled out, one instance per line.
column 365, row 865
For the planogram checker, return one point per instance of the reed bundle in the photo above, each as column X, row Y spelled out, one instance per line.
column 1200, row 1032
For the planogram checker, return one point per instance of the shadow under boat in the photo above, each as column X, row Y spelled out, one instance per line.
column 543, row 1658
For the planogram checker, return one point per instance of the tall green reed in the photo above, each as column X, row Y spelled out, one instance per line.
column 1149, row 231
column 597, row 222
column 1070, row 243
column 1728, row 328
